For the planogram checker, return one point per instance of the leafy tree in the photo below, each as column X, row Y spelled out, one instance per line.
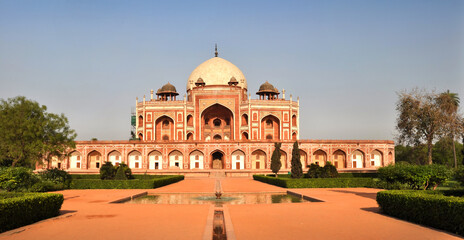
column 275, row 159
column 443, row 152
column 420, row 119
column 411, row 154
column 452, row 121
column 297, row 170
column 29, row 134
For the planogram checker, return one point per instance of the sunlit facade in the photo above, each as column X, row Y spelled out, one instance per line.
column 219, row 127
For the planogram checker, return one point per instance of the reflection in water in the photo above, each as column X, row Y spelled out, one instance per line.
column 235, row 198
column 219, row 228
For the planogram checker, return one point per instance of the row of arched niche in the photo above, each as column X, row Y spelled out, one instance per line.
column 216, row 124
column 196, row 159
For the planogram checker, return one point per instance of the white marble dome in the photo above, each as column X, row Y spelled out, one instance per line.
column 216, row 71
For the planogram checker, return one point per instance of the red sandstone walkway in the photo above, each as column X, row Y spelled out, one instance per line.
column 345, row 214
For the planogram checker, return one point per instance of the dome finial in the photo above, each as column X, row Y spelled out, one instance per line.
column 215, row 50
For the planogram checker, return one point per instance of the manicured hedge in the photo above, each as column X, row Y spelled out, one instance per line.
column 97, row 176
column 85, row 176
column 340, row 175
column 430, row 208
column 124, row 184
column 316, row 182
column 358, row 175
column 19, row 209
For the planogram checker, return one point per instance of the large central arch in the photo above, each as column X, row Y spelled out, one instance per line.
column 164, row 128
column 217, row 123
column 270, row 128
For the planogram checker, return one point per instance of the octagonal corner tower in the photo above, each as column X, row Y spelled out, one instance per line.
column 216, row 71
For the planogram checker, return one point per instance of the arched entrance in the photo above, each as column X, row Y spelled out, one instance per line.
column 320, row 157
column 258, row 159
column 217, row 123
column 339, row 159
column 94, row 160
column 358, row 159
column 238, row 160
column 217, row 160
column 155, row 160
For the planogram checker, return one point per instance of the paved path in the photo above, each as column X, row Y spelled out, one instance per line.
column 345, row 214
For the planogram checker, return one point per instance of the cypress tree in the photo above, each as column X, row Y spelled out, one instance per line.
column 297, row 170
column 120, row 174
column 275, row 159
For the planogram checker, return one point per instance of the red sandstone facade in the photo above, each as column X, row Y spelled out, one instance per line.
column 217, row 125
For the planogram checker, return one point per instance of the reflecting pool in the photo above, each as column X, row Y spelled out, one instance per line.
column 227, row 198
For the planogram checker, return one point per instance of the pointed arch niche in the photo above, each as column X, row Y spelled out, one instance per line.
column 217, row 122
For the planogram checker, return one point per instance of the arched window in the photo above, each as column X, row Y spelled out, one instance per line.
column 140, row 121
column 189, row 137
column 165, row 137
column 244, row 136
column 217, row 122
column 269, row 123
column 269, row 137
column 244, row 120
column 190, row 121
column 165, row 124
column 217, row 137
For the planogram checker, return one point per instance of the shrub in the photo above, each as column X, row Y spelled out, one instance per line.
column 126, row 170
column 17, row 210
column 415, row 176
column 47, row 186
column 316, row 182
column 125, row 184
column 316, row 171
column 437, row 175
column 56, row 175
column 430, row 208
column 107, row 171
column 16, row 178
column 329, row 171
column 459, row 175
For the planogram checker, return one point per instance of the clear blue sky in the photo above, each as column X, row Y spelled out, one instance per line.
column 344, row 59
